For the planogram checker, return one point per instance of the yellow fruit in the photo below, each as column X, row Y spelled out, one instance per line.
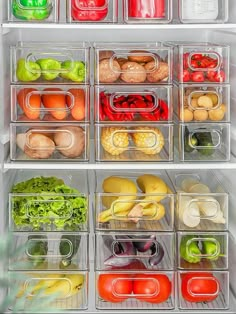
column 205, row 102
column 194, row 103
column 217, row 114
column 196, row 95
column 154, row 211
column 200, row 115
column 186, row 115
column 214, row 98
column 114, row 140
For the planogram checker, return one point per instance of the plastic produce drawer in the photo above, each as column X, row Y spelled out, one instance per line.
column 33, row 63
column 46, row 11
column 203, row 103
column 204, row 142
column 201, row 62
column 134, row 142
column 66, row 290
column 49, row 141
column 205, row 251
column 198, row 290
column 137, row 63
column 55, row 103
column 154, row 251
column 50, row 251
column 132, row 103
column 127, row 290
column 105, row 11
column 153, row 12
column 202, row 202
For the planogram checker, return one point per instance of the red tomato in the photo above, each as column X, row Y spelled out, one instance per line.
column 197, row 56
column 205, row 62
column 186, row 60
column 186, row 76
column 220, row 76
column 197, row 76
column 211, row 75
column 155, row 288
column 195, row 64
column 114, row 288
column 199, row 287
column 95, row 11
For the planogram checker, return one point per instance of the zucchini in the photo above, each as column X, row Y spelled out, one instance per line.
column 37, row 249
column 206, row 143
column 69, row 246
column 189, row 143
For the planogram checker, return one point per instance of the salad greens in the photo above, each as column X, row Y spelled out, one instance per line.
column 47, row 202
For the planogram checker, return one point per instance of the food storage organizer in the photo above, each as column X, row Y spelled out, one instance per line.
column 203, row 103
column 135, row 290
column 202, row 202
column 42, row 63
column 129, row 201
column 132, row 103
column 57, row 103
column 147, row 11
column 201, row 62
column 105, row 11
column 133, row 63
column 134, row 142
column 201, row 250
column 49, row 142
column 204, row 142
column 50, row 251
column 203, row 290
column 202, row 11
column 62, row 290
column 153, row 251
column 45, row 11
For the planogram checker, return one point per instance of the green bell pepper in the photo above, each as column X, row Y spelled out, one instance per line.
column 211, row 249
column 189, row 250
column 74, row 71
column 31, row 9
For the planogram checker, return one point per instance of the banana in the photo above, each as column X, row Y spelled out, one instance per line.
column 108, row 200
column 68, row 286
column 154, row 211
column 128, row 190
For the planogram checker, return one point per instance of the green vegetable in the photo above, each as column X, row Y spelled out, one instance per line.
column 27, row 71
column 69, row 246
column 52, row 207
column 189, row 249
column 50, row 68
column 206, row 143
column 211, row 248
column 190, row 142
column 76, row 71
column 37, row 249
column 31, row 9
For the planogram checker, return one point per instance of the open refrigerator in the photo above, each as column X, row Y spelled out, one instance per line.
column 62, row 36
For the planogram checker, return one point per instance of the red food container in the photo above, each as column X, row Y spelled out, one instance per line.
column 147, row 8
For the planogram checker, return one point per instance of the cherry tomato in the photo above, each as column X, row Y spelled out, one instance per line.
column 220, row 76
column 204, row 63
column 186, row 60
column 197, row 56
column 114, row 288
column 211, row 75
column 197, row 76
column 195, row 64
column 186, row 76
column 80, row 13
column 199, row 287
column 155, row 288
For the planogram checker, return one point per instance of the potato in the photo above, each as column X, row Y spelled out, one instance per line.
column 205, row 102
column 35, row 146
column 121, row 61
column 186, row 115
column 194, row 103
column 159, row 74
column 106, row 54
column 196, row 95
column 136, row 56
column 200, row 115
column 217, row 114
column 70, row 141
column 133, row 72
column 109, row 71
column 214, row 98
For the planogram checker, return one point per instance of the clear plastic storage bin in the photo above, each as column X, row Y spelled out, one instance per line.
column 203, row 290
column 147, row 11
column 105, row 11
column 50, row 104
column 39, row 62
column 155, row 251
column 129, row 201
column 133, row 63
column 48, row 200
column 50, row 251
column 203, row 103
column 202, row 203
column 49, row 142
column 204, row 142
column 142, row 290
column 46, row 11
column 55, row 290
column 197, row 62
column 205, row 251
column 195, row 11
column 132, row 103
column 134, row 142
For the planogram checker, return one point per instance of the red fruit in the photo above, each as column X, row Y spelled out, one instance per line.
column 197, row 56
column 186, row 76
column 89, row 10
column 197, row 76
column 220, row 77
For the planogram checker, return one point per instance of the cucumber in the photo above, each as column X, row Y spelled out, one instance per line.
column 205, row 140
column 189, row 143
column 68, row 248
column 37, row 249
